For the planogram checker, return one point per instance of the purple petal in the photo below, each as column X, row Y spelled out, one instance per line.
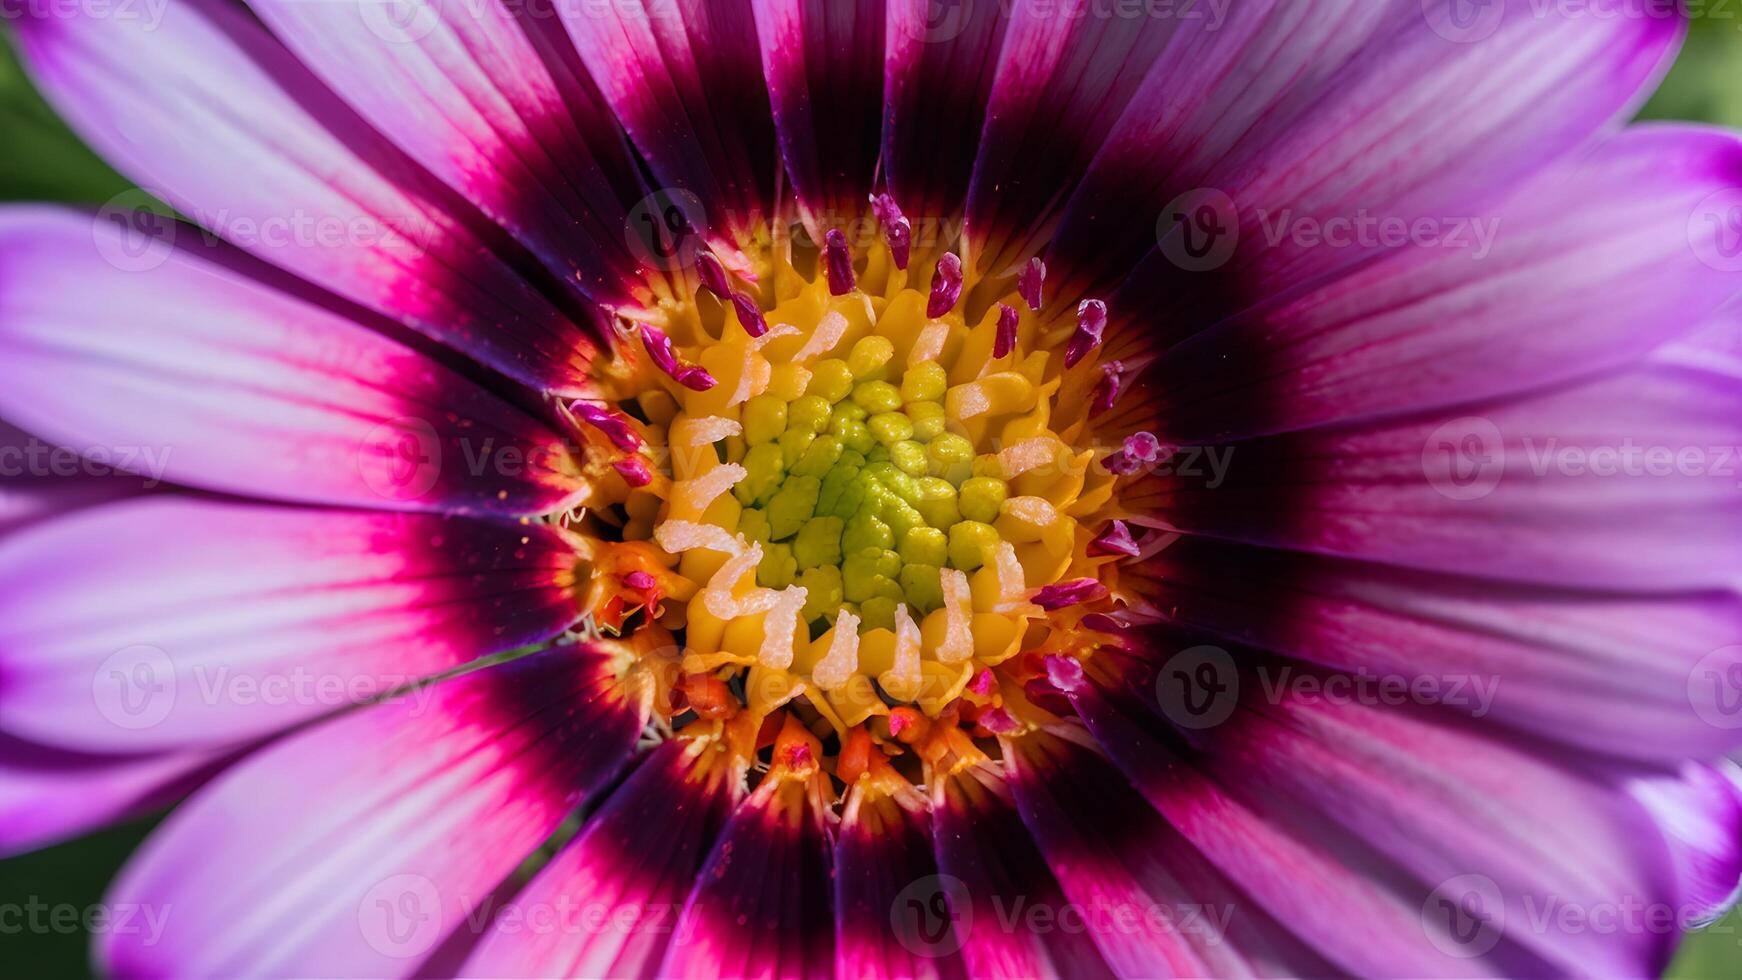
column 289, row 173
column 892, row 917
column 938, row 65
column 470, row 95
column 622, row 881
column 824, row 65
column 1563, row 289
column 177, row 621
column 685, row 80
column 1700, row 813
column 333, row 853
column 210, row 378
column 988, row 867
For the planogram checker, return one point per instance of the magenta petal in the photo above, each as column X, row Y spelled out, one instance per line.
column 354, row 848
column 988, row 867
column 469, row 94
column 824, row 66
column 1587, row 670
column 1156, row 906
column 607, row 905
column 1629, row 482
column 761, row 902
column 892, row 914
column 42, row 480
column 1561, row 290
column 1389, row 838
column 47, row 795
column 1065, row 71
column 685, row 80
column 284, row 170
column 938, row 65
column 178, row 621
column 1701, row 816
column 210, row 378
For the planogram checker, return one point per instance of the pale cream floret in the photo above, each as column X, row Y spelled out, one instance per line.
column 842, row 661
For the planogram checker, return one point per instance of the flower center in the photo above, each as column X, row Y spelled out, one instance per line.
column 876, row 502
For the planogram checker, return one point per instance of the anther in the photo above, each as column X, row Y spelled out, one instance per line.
column 1072, row 593
column 1107, row 389
column 634, row 471
column 749, row 314
column 614, row 425
column 838, row 263
column 897, row 230
column 1116, row 540
column 1091, row 325
column 1029, row 282
column 946, row 286
column 713, row 274
column 660, row 350
column 1005, row 340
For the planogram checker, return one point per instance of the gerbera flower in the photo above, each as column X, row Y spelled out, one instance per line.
column 753, row 487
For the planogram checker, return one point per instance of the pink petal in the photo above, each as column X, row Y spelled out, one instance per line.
column 892, row 914
column 177, row 621
column 354, row 848
column 624, row 878
column 283, row 169
column 1562, row 290
column 209, row 377
column 478, row 97
column 685, row 80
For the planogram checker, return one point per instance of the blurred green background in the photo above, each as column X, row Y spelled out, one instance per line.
column 40, row 160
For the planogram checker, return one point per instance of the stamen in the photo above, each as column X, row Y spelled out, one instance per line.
column 1073, row 593
column 1005, row 340
column 1139, row 449
column 640, row 580
column 713, row 274
column 946, row 286
column 958, row 642
column 749, row 314
column 829, row 331
column 674, row 537
column 1107, row 389
column 659, row 348
column 838, row 263
column 1065, row 673
column 904, row 680
column 842, row 661
column 897, row 230
column 1116, row 540
column 1028, row 283
column 634, row 471
column 779, row 627
column 1091, row 325
column 615, row 425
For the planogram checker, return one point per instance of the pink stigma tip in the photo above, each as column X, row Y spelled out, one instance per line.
column 1143, row 445
column 659, row 349
column 1091, row 325
column 838, row 263
column 614, row 425
column 946, row 286
column 1005, row 341
column 1066, row 673
column 640, row 580
column 634, row 471
column 1028, row 283
column 899, row 235
column 1072, row 593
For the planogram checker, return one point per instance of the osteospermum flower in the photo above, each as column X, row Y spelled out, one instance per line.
column 1013, row 489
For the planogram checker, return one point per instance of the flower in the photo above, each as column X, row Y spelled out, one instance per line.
column 859, row 488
